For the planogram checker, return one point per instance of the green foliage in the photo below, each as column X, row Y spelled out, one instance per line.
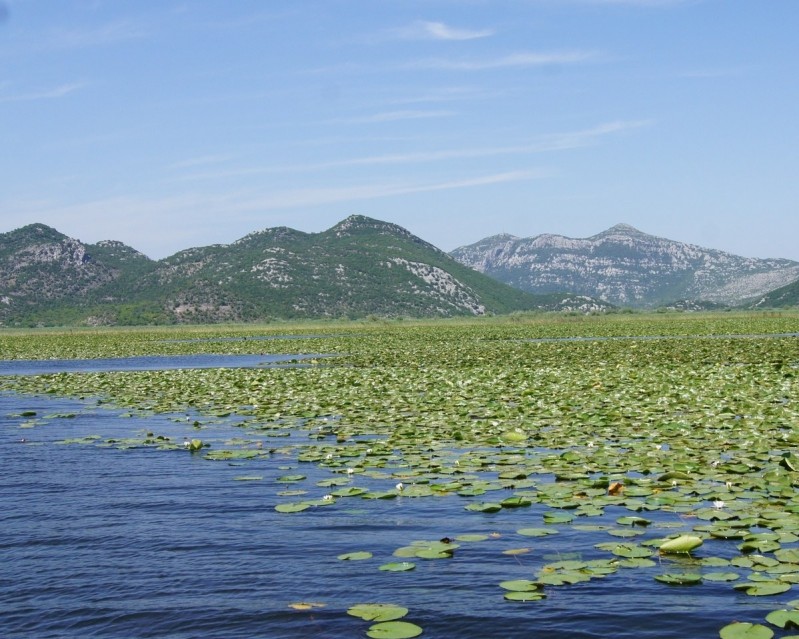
column 359, row 268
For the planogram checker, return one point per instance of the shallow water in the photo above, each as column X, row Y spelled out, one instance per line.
column 145, row 363
column 100, row 542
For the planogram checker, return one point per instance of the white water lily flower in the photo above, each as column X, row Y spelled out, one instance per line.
column 350, row 471
column 719, row 504
column 399, row 486
column 328, row 497
column 591, row 444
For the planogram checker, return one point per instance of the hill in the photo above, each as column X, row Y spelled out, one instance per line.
column 626, row 267
column 359, row 267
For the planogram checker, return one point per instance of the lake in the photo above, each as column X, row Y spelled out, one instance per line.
column 140, row 542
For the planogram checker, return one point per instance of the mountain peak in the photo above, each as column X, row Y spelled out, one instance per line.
column 359, row 223
column 621, row 229
column 625, row 266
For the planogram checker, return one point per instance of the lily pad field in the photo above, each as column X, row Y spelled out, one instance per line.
column 625, row 476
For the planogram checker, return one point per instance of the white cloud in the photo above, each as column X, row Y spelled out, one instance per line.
column 157, row 225
column 45, row 94
column 393, row 116
column 441, row 31
column 551, row 142
column 515, row 60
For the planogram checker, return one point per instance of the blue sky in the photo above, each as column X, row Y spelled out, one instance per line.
column 169, row 124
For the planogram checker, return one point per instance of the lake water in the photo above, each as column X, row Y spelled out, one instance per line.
column 101, row 542
column 146, row 363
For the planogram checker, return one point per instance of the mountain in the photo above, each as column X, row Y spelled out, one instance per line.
column 357, row 268
column 626, row 267
column 779, row 298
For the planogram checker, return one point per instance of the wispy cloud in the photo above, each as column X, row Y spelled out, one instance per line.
column 105, row 34
column 183, row 219
column 201, row 160
column 514, row 60
column 393, row 116
column 447, row 94
column 552, row 142
column 44, row 94
column 728, row 72
column 636, row 3
column 318, row 196
column 423, row 30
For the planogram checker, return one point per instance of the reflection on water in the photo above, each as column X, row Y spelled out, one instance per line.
column 148, row 363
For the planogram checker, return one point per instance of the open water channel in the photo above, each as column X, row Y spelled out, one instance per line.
column 101, row 542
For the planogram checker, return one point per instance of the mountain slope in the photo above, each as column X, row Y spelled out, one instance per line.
column 626, row 267
column 41, row 268
column 779, row 298
column 359, row 267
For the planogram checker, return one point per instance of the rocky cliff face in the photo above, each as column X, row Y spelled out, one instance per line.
column 626, row 267
column 38, row 264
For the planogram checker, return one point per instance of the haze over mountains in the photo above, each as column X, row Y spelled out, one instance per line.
column 361, row 267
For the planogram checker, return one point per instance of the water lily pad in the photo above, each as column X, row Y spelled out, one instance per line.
column 679, row 579
column 377, row 611
column 721, row 576
column 398, row 566
column 766, row 589
column 355, row 556
column 536, row 532
column 290, row 478
column 630, row 551
column 515, row 502
column 485, row 507
column 516, row 595
column 294, row 507
column 557, row 518
column 471, row 537
column 520, row 585
column 394, row 630
column 743, row 630
column 633, row 521
column 784, row 618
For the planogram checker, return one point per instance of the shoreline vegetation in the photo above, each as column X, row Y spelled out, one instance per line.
column 705, row 427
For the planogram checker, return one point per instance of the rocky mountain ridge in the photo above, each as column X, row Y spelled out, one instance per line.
column 359, row 267
column 626, row 267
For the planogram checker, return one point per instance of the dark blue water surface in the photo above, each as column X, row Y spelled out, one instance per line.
column 101, row 542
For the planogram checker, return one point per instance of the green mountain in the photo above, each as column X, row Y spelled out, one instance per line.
column 780, row 298
column 357, row 268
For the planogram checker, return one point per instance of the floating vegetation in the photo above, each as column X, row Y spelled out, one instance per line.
column 666, row 459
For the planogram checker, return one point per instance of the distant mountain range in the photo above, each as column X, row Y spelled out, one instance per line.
column 626, row 267
column 365, row 267
column 357, row 268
